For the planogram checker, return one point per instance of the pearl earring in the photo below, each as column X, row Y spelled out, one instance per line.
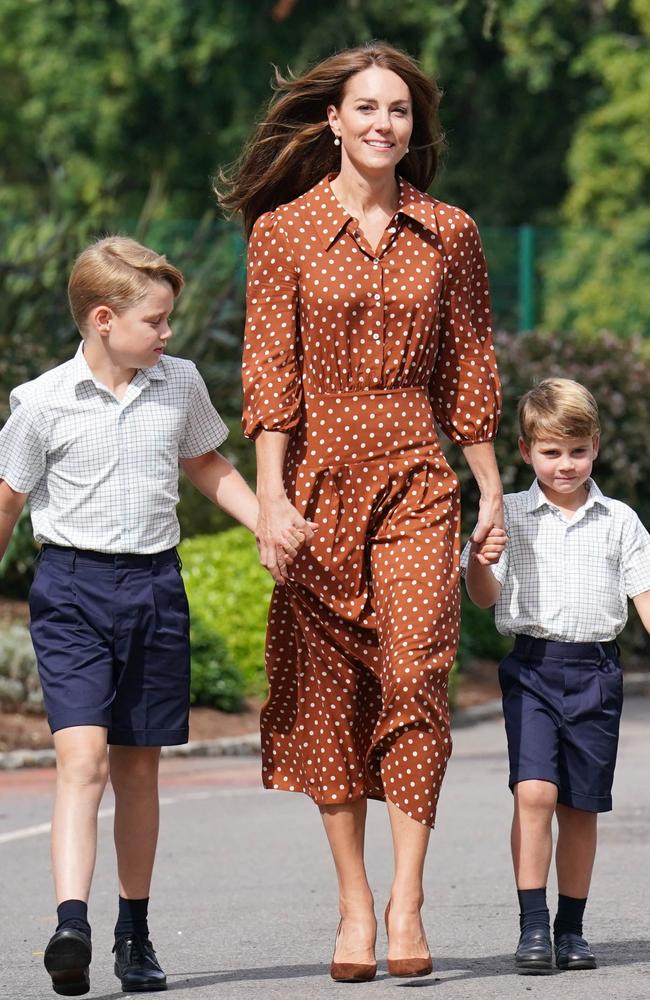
column 337, row 141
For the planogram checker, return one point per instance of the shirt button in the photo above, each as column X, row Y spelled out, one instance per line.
column 376, row 262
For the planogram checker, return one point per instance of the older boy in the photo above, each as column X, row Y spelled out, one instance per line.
column 560, row 589
column 96, row 444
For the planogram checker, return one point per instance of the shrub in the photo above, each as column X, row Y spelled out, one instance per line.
column 20, row 688
column 229, row 593
column 479, row 639
column 17, row 565
column 217, row 682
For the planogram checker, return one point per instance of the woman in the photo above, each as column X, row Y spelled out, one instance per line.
column 367, row 322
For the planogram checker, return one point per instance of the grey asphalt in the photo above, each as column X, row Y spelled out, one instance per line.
column 244, row 900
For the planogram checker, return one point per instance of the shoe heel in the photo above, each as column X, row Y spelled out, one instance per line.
column 401, row 968
column 351, row 972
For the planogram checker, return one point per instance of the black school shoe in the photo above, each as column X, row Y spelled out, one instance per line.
column 534, row 955
column 573, row 952
column 67, row 958
column 136, row 965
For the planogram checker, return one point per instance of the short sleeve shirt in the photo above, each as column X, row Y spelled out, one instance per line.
column 568, row 580
column 102, row 473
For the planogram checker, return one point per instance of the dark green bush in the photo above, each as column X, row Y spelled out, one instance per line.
column 217, row 682
column 229, row 593
column 479, row 639
column 17, row 566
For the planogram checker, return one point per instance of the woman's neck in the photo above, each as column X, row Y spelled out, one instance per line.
column 361, row 194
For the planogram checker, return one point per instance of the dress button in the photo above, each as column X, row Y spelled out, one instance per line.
column 376, row 262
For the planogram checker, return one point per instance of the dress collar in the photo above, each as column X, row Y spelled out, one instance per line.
column 329, row 216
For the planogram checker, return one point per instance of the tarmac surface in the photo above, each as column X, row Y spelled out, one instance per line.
column 244, row 899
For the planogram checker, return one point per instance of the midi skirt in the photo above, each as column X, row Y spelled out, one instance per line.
column 362, row 637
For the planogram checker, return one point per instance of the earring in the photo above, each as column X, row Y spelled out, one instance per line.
column 337, row 141
column 407, row 149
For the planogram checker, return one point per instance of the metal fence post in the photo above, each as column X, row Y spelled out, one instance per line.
column 526, row 290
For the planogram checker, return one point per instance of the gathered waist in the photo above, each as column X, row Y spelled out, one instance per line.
column 349, row 427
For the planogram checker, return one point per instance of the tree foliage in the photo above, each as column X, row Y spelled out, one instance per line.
column 117, row 113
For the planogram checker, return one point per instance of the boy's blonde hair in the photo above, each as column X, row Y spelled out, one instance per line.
column 116, row 271
column 557, row 408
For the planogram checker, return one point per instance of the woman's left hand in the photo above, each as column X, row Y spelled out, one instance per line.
column 490, row 517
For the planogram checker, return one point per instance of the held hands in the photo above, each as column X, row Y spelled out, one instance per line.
column 489, row 537
column 280, row 533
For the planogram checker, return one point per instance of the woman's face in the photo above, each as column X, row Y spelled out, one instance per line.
column 374, row 121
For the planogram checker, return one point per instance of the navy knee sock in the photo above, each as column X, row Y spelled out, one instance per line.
column 569, row 916
column 132, row 918
column 73, row 914
column 533, row 911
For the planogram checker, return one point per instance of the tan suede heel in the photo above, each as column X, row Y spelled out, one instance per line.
column 407, row 967
column 351, row 972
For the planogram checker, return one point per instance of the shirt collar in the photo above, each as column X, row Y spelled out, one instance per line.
column 537, row 498
column 330, row 217
column 81, row 372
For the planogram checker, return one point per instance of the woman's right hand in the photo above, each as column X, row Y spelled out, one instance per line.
column 280, row 533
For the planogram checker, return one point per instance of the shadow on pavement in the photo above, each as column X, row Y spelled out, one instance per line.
column 608, row 953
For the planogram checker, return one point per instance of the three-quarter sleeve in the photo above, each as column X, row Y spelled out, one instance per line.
column 464, row 389
column 270, row 370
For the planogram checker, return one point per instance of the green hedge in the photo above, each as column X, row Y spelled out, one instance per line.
column 229, row 594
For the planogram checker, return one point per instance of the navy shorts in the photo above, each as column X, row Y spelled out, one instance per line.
column 562, row 704
column 111, row 636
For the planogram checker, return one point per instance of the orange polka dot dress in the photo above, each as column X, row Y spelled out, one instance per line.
column 358, row 355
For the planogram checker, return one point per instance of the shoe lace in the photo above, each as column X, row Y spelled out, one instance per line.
column 139, row 947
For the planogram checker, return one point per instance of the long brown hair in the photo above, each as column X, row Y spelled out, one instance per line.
column 292, row 147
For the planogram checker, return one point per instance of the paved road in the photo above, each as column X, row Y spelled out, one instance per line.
column 244, row 902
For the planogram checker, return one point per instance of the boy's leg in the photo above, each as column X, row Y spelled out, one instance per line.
column 529, row 684
column 531, row 841
column 576, row 850
column 574, row 858
column 531, row 836
column 81, row 772
column 134, row 776
column 81, row 778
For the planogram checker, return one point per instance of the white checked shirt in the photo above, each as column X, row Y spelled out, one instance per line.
column 102, row 473
column 568, row 580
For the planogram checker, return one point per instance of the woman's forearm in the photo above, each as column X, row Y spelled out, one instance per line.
column 483, row 465
column 270, row 450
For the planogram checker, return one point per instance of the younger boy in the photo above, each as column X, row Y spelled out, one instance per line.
column 96, row 445
column 560, row 589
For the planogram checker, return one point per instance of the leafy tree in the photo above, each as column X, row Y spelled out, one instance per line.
column 601, row 276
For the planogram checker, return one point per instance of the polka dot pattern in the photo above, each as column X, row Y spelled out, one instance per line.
column 358, row 352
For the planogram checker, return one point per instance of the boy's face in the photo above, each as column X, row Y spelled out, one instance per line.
column 561, row 465
column 136, row 337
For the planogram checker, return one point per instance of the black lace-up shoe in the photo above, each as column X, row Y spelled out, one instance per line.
column 534, row 955
column 67, row 958
column 136, row 965
column 573, row 952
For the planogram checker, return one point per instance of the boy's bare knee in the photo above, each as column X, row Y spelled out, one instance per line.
column 81, row 755
column 83, row 768
column 537, row 796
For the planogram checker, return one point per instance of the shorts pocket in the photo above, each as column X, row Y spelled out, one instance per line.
column 509, row 672
column 610, row 681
